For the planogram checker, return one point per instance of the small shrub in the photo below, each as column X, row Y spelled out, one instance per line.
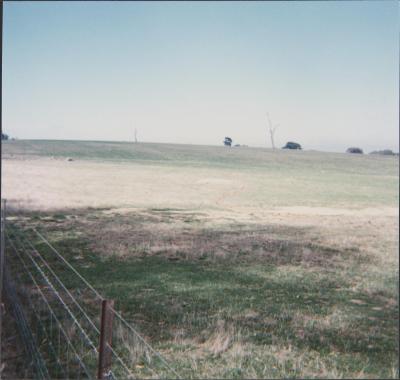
column 292, row 145
column 384, row 152
column 354, row 150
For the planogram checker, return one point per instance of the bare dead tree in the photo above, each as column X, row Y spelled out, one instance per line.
column 272, row 130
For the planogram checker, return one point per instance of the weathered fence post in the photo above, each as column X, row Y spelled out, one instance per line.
column 106, row 327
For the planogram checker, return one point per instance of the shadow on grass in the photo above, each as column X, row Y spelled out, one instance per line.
column 161, row 293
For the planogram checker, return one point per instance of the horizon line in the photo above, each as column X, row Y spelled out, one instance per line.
column 175, row 143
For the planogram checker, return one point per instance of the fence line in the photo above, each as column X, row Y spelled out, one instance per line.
column 62, row 314
column 55, row 292
column 49, row 338
column 117, row 314
column 63, row 286
column 45, row 301
column 30, row 344
column 68, row 264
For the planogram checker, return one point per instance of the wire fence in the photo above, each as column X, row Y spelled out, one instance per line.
column 69, row 330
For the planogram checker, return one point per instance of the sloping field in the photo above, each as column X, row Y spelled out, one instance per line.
column 235, row 263
column 162, row 175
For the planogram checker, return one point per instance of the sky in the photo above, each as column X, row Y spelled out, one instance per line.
column 195, row 72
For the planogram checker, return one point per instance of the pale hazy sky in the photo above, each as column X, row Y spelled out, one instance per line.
column 195, row 72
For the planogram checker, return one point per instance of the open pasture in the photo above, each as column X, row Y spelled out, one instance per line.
column 235, row 263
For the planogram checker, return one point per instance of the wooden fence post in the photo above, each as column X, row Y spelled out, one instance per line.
column 106, row 327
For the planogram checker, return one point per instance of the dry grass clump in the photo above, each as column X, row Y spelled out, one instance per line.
column 221, row 338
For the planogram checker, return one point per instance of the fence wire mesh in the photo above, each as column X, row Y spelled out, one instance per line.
column 58, row 314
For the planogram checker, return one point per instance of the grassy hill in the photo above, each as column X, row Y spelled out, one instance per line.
column 203, row 155
column 277, row 178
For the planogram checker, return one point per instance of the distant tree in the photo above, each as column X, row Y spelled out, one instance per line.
column 384, row 152
column 292, row 145
column 228, row 141
column 354, row 150
column 272, row 130
column 135, row 135
column 4, row 136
